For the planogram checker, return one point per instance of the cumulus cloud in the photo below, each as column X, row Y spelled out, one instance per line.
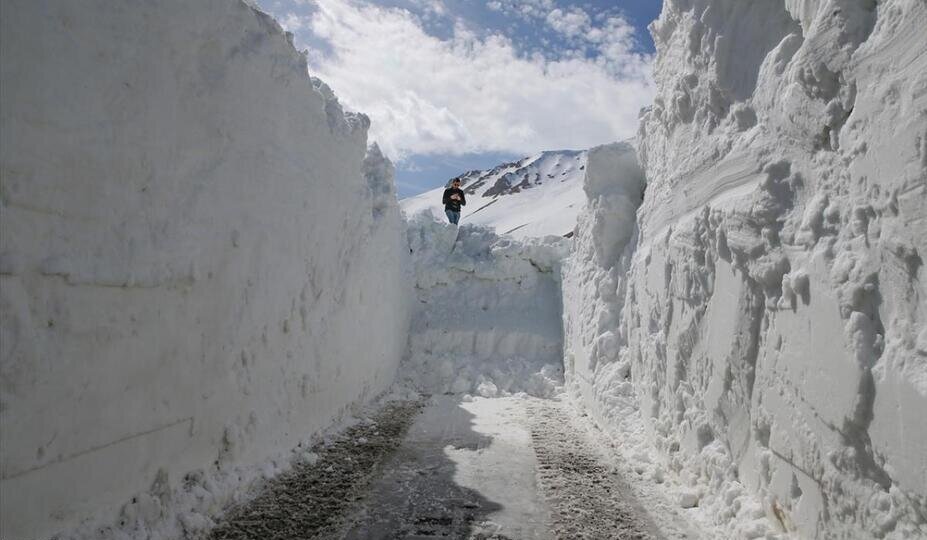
column 291, row 22
column 477, row 93
column 526, row 9
column 572, row 22
column 435, row 7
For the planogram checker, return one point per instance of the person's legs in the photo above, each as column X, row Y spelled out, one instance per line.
column 452, row 216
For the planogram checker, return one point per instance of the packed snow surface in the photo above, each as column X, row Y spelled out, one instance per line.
column 758, row 336
column 531, row 198
column 182, row 286
column 486, row 319
column 468, row 468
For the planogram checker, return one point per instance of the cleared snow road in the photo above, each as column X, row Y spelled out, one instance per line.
column 503, row 468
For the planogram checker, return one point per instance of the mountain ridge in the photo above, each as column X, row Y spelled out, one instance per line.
column 538, row 195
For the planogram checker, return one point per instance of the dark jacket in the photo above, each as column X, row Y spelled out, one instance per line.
column 451, row 204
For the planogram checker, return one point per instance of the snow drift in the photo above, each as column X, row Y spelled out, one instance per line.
column 192, row 242
column 768, row 320
column 487, row 312
column 594, row 279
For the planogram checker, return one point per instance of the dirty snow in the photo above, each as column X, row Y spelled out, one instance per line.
column 515, row 467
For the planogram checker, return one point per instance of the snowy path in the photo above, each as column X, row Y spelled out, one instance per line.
column 589, row 497
column 505, row 468
column 464, row 470
column 311, row 500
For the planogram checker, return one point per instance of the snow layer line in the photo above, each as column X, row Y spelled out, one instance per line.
column 182, row 288
column 487, row 312
column 764, row 334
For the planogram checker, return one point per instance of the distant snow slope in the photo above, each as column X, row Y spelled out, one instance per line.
column 535, row 196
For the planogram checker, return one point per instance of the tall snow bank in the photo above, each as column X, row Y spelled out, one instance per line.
column 487, row 316
column 192, row 242
column 594, row 275
column 771, row 328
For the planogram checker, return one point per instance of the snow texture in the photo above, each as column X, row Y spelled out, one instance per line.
column 487, row 316
column 759, row 340
column 311, row 499
column 182, row 286
column 534, row 197
column 203, row 264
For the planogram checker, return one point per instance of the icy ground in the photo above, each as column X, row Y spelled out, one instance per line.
column 456, row 466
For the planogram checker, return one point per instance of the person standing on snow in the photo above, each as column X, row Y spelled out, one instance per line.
column 453, row 199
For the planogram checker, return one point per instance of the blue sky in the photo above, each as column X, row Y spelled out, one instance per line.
column 454, row 85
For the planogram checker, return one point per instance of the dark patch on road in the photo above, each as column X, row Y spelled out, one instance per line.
column 312, row 501
column 372, row 483
column 418, row 496
column 588, row 499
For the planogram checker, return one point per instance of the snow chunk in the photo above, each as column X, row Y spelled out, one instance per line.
column 488, row 317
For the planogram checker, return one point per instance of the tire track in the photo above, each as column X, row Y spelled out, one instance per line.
column 312, row 501
column 588, row 499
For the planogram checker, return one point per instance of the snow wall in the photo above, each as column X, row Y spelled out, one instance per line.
column 767, row 321
column 487, row 315
column 199, row 267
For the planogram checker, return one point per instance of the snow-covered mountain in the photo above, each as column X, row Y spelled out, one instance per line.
column 536, row 196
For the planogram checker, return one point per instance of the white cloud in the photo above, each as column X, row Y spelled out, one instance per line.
column 292, row 22
column 571, row 23
column 436, row 7
column 471, row 93
column 526, row 9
